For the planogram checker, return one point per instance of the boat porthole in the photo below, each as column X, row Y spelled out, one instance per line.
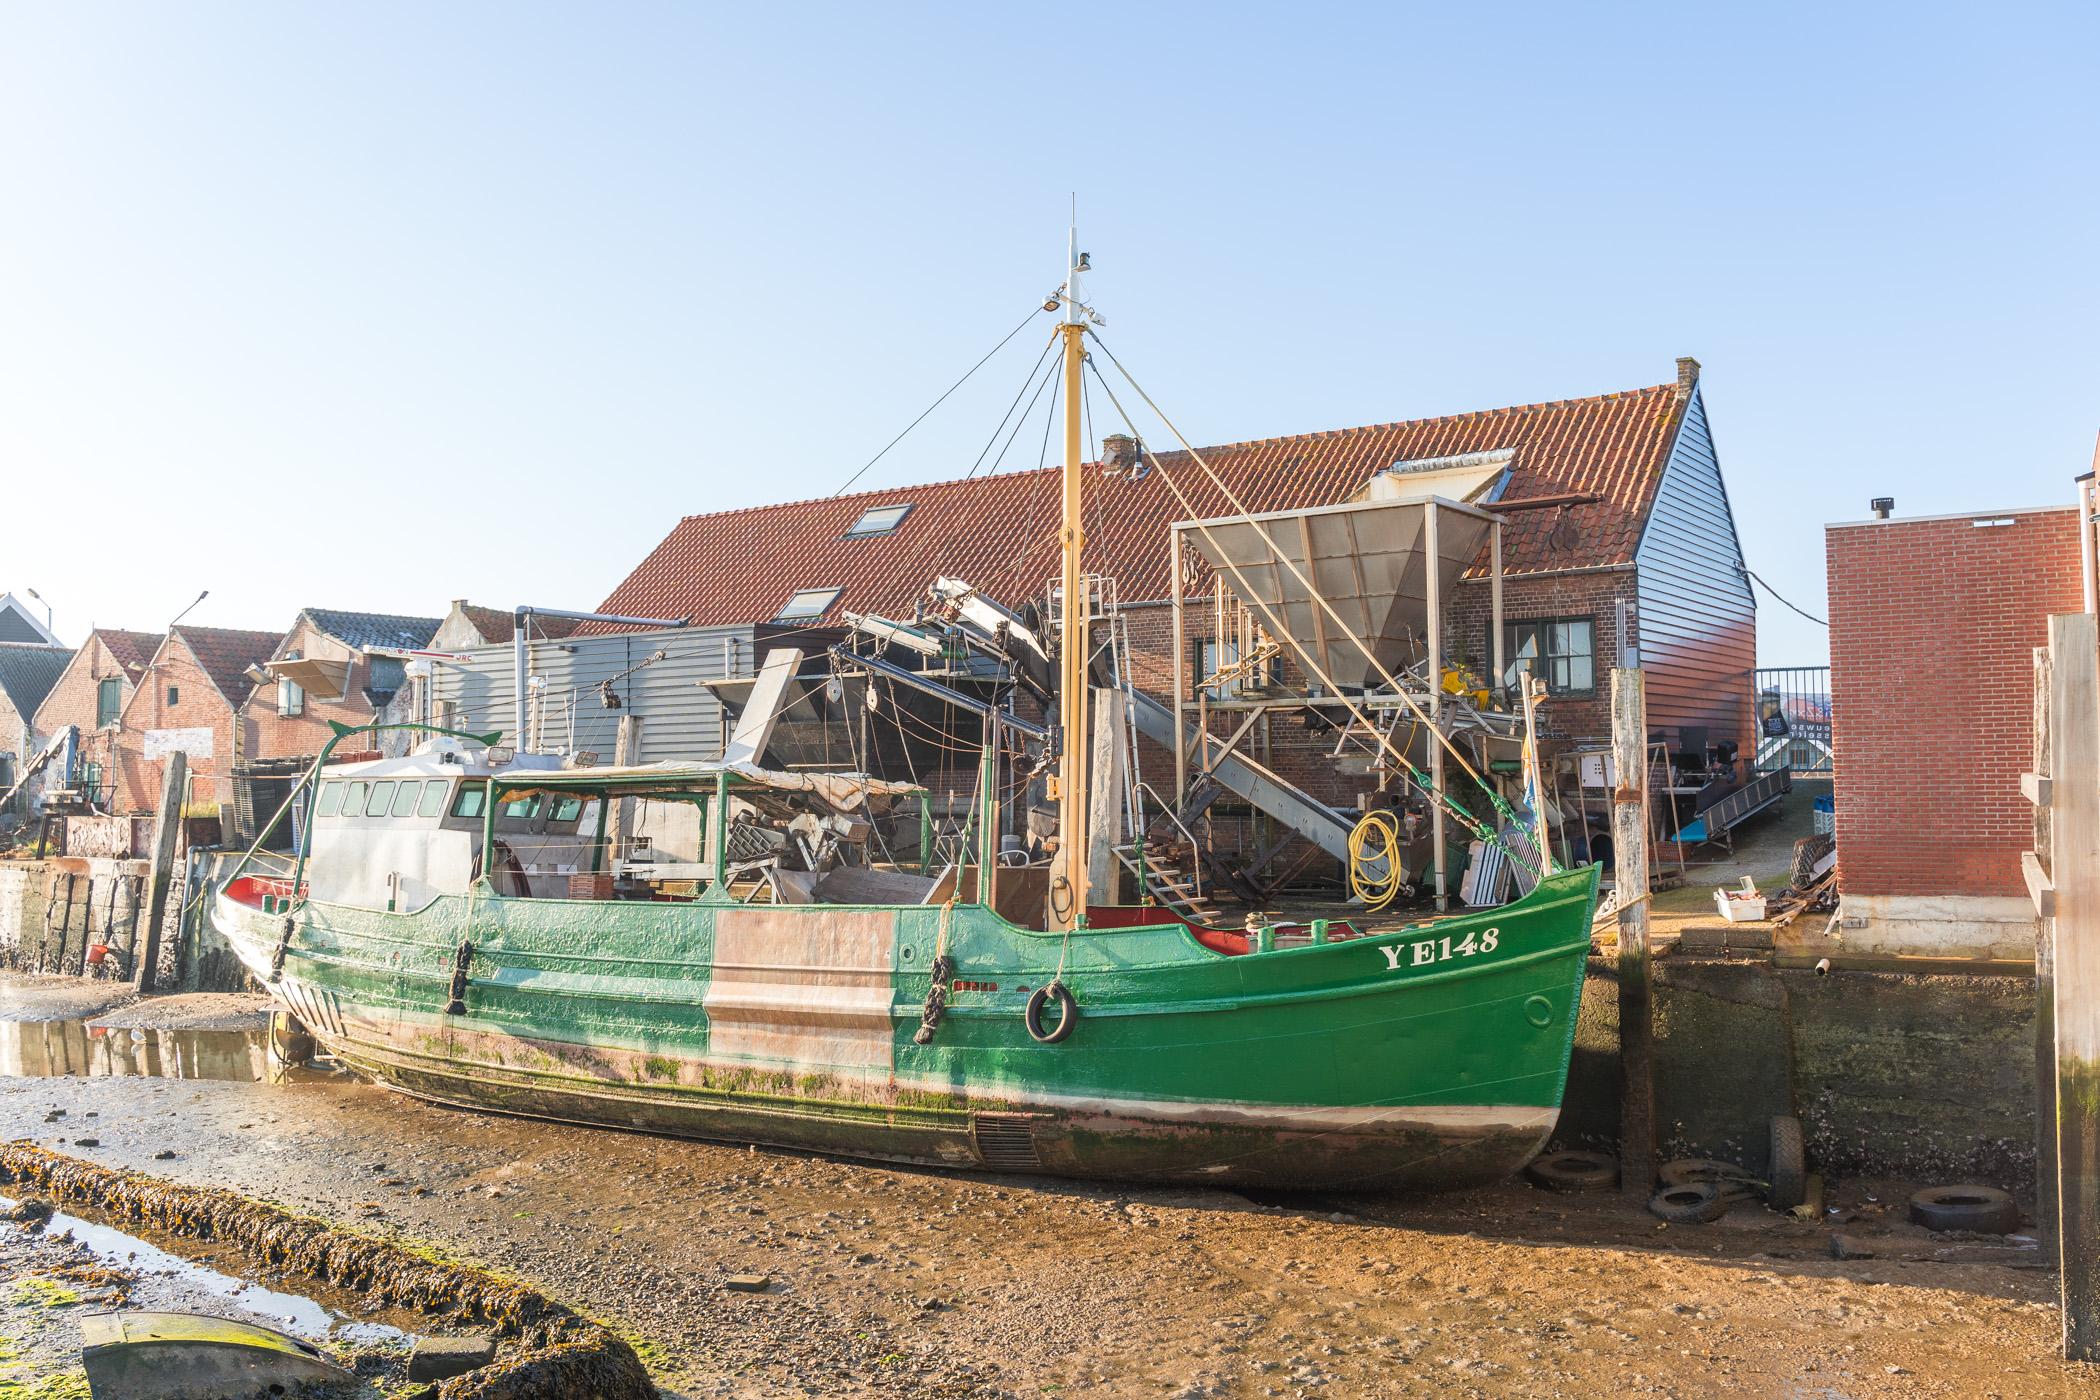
column 907, row 955
column 1538, row 1010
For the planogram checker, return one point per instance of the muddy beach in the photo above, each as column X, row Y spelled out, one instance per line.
column 884, row 1281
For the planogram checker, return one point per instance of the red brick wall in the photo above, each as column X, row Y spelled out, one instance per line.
column 267, row 734
column 198, row 705
column 1933, row 625
column 73, row 701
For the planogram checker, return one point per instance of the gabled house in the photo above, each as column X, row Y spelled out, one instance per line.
column 90, row 696
column 333, row 665
column 1620, row 548
column 28, row 670
column 471, row 625
column 19, row 623
column 187, row 700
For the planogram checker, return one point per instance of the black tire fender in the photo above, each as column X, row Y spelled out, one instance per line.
column 1574, row 1171
column 1694, row 1203
column 1067, row 1013
column 1789, row 1169
column 1983, row 1209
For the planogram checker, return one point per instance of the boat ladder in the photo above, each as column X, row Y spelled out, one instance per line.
column 1166, row 882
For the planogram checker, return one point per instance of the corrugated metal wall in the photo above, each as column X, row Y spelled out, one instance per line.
column 1698, row 617
column 680, row 718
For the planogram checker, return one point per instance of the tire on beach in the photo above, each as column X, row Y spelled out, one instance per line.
column 1789, row 1170
column 1574, row 1171
column 1694, row 1203
column 1983, row 1209
column 1735, row 1181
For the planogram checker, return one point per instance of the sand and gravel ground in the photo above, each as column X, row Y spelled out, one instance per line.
column 898, row 1282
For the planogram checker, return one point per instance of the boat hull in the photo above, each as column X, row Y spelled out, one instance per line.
column 1393, row 1062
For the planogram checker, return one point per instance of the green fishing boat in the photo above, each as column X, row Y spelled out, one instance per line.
column 455, row 923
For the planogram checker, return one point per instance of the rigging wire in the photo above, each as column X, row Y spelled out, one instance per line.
column 1421, row 780
column 1033, row 371
column 1752, row 573
column 1033, row 312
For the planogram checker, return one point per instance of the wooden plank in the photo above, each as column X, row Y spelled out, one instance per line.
column 2040, row 888
column 167, row 826
column 1629, row 824
column 2074, row 866
column 2044, row 983
column 2035, row 788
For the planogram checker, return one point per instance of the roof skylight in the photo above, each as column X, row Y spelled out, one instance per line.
column 878, row 520
column 808, row 603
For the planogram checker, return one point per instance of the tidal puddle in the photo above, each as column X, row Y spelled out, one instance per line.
column 37, row 1049
column 290, row 1312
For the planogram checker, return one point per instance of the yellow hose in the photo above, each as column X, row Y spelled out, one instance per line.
column 1375, row 838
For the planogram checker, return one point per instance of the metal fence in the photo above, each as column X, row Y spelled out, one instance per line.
column 1793, row 719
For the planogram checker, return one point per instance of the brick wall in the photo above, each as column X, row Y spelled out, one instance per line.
column 197, row 705
column 74, row 700
column 1933, row 624
column 267, row 734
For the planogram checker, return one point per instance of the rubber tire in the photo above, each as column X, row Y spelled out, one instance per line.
column 1735, row 1182
column 1068, row 1013
column 1574, row 1171
column 1985, row 1210
column 1789, row 1170
column 1696, row 1203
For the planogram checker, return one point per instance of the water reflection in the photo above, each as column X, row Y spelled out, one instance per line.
column 37, row 1049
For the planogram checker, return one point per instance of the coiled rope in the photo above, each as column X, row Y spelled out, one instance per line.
column 1373, row 840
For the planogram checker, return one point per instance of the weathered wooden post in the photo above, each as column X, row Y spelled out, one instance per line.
column 1629, row 845
column 627, row 747
column 2073, row 887
column 167, row 826
column 2036, row 787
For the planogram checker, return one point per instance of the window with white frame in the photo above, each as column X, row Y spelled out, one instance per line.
column 1562, row 651
column 806, row 604
column 291, row 696
column 878, row 520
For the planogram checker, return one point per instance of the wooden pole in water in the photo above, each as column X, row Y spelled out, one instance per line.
column 2074, row 873
column 167, row 826
column 1629, row 844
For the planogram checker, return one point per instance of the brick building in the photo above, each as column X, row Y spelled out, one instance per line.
column 331, row 666
column 90, row 695
column 469, row 625
column 1933, row 625
column 187, row 698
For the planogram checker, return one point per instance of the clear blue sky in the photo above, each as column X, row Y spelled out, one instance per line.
column 376, row 305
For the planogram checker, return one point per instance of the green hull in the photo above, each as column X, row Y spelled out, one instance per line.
column 1427, row 1057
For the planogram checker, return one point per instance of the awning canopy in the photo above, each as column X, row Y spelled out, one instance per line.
column 841, row 792
column 1369, row 559
column 315, row 674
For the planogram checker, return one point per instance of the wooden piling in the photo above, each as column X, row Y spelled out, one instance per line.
column 167, row 826
column 2044, row 971
column 1629, row 838
column 2074, row 888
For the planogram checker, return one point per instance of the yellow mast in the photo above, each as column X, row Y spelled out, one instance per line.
column 1068, row 881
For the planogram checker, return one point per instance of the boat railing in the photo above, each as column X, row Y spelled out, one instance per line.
column 1146, row 789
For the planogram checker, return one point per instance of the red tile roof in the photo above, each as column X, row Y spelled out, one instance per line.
column 500, row 624
column 226, row 653
column 131, row 650
column 740, row 566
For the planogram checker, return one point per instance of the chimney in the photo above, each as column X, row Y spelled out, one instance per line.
column 1687, row 375
column 1883, row 507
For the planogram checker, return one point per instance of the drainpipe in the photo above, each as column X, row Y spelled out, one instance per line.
column 521, row 617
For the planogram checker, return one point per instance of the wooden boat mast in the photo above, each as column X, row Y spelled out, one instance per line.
column 1068, row 882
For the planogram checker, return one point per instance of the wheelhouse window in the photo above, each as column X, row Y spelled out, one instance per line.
column 878, row 520
column 354, row 797
column 109, row 701
column 469, row 803
column 806, row 604
column 405, row 798
column 1562, row 651
column 331, row 800
column 521, row 808
column 432, row 803
column 567, row 809
column 382, row 797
